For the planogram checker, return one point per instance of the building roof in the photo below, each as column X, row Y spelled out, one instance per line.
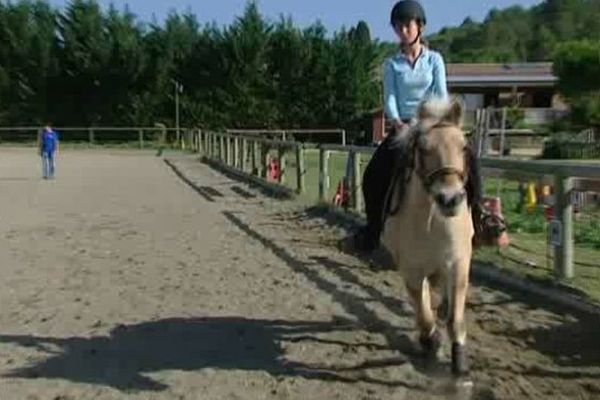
column 537, row 74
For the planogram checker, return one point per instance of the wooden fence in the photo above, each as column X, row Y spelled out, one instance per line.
column 249, row 155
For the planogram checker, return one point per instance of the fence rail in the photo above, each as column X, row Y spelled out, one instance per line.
column 92, row 135
column 285, row 134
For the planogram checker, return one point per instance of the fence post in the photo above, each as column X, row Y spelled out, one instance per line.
column 210, row 145
column 141, row 138
column 222, row 152
column 255, row 158
column 236, row 152
column 227, row 150
column 503, row 133
column 91, row 135
column 200, row 141
column 323, row 174
column 300, row 169
column 563, row 254
column 264, row 159
column 486, row 131
column 218, row 146
column 207, row 144
column 356, row 181
column 244, row 155
column 282, row 167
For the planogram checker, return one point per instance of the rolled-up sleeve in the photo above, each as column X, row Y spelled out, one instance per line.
column 389, row 91
column 439, row 88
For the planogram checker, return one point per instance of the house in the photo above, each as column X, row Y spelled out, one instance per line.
column 531, row 86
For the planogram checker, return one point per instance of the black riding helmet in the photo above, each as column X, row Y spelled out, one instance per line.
column 407, row 10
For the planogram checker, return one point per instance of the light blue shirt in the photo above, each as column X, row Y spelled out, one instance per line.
column 405, row 86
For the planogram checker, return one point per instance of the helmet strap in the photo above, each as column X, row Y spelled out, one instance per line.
column 407, row 46
column 417, row 39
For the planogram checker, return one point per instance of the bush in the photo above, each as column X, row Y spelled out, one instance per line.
column 586, row 109
column 515, row 118
column 564, row 146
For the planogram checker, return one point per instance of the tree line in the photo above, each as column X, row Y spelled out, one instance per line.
column 86, row 66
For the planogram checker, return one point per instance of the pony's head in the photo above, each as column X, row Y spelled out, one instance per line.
column 439, row 153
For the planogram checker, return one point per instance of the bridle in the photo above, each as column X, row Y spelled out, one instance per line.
column 428, row 177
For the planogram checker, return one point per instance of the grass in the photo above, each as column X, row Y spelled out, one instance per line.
column 529, row 256
column 586, row 222
column 337, row 168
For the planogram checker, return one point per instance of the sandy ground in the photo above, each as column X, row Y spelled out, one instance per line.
column 121, row 281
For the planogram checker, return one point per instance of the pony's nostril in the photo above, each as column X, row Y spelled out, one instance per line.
column 449, row 201
column 457, row 199
column 441, row 199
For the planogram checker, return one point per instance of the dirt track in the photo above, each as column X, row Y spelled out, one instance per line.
column 120, row 281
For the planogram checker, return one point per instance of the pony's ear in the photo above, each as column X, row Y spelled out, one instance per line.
column 455, row 112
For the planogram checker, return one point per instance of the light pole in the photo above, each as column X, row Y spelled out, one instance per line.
column 178, row 89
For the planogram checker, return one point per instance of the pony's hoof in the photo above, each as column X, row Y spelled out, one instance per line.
column 358, row 243
column 460, row 363
column 431, row 344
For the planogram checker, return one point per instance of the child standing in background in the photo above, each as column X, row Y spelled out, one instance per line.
column 48, row 151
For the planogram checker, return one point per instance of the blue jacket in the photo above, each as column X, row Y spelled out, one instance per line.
column 49, row 142
column 404, row 87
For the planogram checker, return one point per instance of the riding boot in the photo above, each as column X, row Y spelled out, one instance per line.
column 488, row 227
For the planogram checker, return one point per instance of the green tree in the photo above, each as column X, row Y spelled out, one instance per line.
column 515, row 34
column 249, row 98
column 26, row 65
column 577, row 65
column 84, row 51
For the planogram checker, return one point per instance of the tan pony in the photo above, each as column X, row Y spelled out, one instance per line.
column 429, row 233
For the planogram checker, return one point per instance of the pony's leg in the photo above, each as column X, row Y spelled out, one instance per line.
column 457, row 328
column 429, row 336
column 439, row 294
